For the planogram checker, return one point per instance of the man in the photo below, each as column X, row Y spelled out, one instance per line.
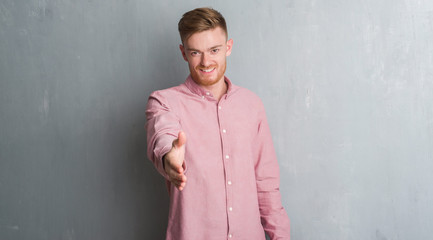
column 211, row 141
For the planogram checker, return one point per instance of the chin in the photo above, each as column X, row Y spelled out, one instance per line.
column 203, row 81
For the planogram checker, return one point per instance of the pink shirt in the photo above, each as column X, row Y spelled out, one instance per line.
column 232, row 188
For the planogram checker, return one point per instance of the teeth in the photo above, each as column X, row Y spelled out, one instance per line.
column 207, row 70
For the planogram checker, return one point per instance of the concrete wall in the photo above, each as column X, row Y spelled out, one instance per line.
column 348, row 87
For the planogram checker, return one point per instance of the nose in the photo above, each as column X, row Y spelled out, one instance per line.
column 205, row 60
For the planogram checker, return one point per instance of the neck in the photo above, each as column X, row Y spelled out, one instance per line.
column 218, row 89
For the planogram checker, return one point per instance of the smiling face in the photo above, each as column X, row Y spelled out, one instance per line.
column 206, row 54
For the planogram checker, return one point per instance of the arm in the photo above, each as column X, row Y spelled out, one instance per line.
column 165, row 141
column 273, row 216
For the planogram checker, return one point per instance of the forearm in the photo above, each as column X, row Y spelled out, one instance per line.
column 162, row 127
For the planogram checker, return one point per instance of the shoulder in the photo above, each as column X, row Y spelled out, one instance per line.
column 247, row 96
column 166, row 93
column 162, row 99
column 172, row 94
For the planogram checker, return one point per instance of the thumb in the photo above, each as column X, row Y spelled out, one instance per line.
column 181, row 140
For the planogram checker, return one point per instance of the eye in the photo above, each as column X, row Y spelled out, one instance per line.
column 194, row 53
column 215, row 51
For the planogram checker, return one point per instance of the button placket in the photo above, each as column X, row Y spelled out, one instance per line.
column 226, row 162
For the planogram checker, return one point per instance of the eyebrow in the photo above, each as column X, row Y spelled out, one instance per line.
column 193, row 49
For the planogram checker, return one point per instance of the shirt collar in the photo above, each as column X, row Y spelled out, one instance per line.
column 197, row 89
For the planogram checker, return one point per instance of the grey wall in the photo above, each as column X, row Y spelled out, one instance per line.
column 348, row 87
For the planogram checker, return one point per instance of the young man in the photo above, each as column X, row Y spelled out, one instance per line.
column 211, row 141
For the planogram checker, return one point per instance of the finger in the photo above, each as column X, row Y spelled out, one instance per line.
column 177, row 169
column 180, row 141
column 182, row 138
column 174, row 167
column 183, row 179
column 173, row 170
column 178, row 179
column 175, row 175
column 179, row 184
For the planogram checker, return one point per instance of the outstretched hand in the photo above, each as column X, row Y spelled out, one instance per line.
column 174, row 162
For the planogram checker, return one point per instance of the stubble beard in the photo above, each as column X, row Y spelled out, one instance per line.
column 204, row 82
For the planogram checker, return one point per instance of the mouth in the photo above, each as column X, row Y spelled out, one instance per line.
column 207, row 70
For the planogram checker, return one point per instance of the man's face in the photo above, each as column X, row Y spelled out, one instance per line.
column 206, row 54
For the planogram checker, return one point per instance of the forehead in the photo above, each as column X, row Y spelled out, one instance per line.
column 206, row 39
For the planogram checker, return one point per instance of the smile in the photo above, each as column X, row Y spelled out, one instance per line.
column 207, row 70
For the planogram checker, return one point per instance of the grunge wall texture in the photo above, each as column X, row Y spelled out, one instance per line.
column 348, row 88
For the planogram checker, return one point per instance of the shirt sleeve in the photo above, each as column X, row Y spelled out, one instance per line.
column 162, row 127
column 273, row 216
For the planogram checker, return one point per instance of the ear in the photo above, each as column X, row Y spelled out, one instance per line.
column 182, row 50
column 229, row 47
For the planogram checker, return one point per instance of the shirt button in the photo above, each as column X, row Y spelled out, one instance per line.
column 207, row 93
column 227, row 156
column 230, row 209
column 219, row 107
column 230, row 236
column 229, row 182
column 224, row 131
